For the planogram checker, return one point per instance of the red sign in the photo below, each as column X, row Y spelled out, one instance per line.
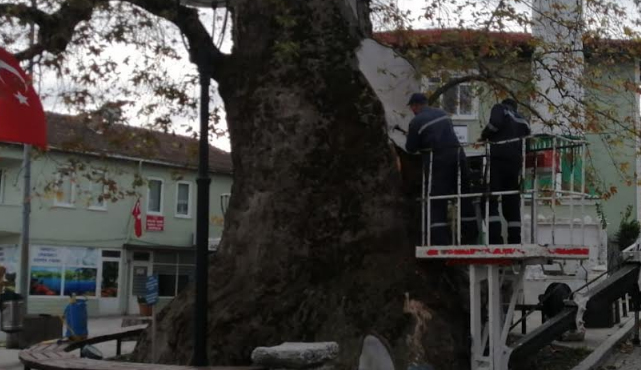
column 155, row 223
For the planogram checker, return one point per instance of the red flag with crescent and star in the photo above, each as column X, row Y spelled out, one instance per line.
column 137, row 219
column 22, row 119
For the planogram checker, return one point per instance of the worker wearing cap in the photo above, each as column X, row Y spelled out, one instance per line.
column 506, row 161
column 431, row 131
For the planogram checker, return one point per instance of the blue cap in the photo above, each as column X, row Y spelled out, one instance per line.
column 417, row 98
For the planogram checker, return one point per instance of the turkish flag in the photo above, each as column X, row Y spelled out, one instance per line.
column 22, row 119
column 138, row 220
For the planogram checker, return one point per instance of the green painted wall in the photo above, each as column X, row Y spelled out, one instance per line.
column 52, row 224
column 78, row 225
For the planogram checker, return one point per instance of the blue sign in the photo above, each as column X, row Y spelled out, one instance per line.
column 151, row 296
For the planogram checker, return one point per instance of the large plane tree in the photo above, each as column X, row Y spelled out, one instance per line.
column 320, row 232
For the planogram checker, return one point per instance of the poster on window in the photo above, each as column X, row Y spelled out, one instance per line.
column 64, row 271
column 155, row 223
column 82, row 257
column 47, row 256
column 9, row 260
column 45, row 280
column 80, row 281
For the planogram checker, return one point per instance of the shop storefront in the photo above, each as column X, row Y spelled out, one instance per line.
column 56, row 273
column 112, row 280
column 174, row 267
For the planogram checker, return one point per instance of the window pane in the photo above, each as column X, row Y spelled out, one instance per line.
column 465, row 99
column 141, row 256
column 98, row 194
column 109, row 286
column 186, row 258
column 155, row 192
column 166, row 279
column 450, row 100
column 80, row 281
column 165, row 257
column 113, row 254
column 45, row 280
column 63, row 194
column 185, row 276
column 182, row 201
column 139, row 284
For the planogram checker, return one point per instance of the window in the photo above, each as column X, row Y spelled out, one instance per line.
column 224, row 202
column 57, row 271
column 65, row 190
column 154, row 197
column 459, row 100
column 110, row 274
column 98, row 191
column 183, row 199
column 141, row 256
column 175, row 270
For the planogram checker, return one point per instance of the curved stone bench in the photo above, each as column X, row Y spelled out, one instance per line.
column 58, row 355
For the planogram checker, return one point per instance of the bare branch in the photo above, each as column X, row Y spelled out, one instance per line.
column 201, row 47
column 25, row 13
column 55, row 30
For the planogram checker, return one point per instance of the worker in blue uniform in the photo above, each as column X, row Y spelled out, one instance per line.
column 432, row 133
column 506, row 161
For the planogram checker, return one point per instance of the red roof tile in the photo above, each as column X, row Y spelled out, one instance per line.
column 82, row 134
column 478, row 38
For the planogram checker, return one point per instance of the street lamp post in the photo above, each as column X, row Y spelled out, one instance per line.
column 202, row 209
column 202, row 220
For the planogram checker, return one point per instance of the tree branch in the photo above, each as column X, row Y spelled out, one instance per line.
column 201, row 46
column 55, row 30
column 24, row 13
column 451, row 83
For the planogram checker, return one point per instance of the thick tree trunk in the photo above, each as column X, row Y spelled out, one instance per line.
column 319, row 236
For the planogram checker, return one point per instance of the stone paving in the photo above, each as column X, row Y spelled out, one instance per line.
column 625, row 357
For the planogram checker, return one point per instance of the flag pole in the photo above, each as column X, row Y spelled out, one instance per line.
column 26, row 210
column 26, row 201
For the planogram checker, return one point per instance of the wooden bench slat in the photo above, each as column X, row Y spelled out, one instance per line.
column 59, row 356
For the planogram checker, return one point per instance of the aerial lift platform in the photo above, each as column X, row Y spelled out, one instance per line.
column 503, row 266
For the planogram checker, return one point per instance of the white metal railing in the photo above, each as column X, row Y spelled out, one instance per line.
column 531, row 145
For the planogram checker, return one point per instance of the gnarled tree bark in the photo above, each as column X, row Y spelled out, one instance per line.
column 319, row 235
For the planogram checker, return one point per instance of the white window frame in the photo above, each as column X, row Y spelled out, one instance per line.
column 176, row 265
column 425, row 82
column 100, row 271
column 162, row 196
column 59, row 180
column 189, row 199
column 92, row 183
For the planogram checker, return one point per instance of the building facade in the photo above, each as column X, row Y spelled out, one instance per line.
column 611, row 80
column 85, row 191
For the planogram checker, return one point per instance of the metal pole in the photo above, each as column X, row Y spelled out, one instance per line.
column 488, row 168
column 23, row 284
column 522, row 189
column 26, row 211
column 428, row 203
column 553, row 189
column 202, row 220
column 153, row 334
column 423, row 205
column 635, row 339
column 459, row 202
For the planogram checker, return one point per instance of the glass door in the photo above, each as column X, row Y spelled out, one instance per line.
column 110, row 283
